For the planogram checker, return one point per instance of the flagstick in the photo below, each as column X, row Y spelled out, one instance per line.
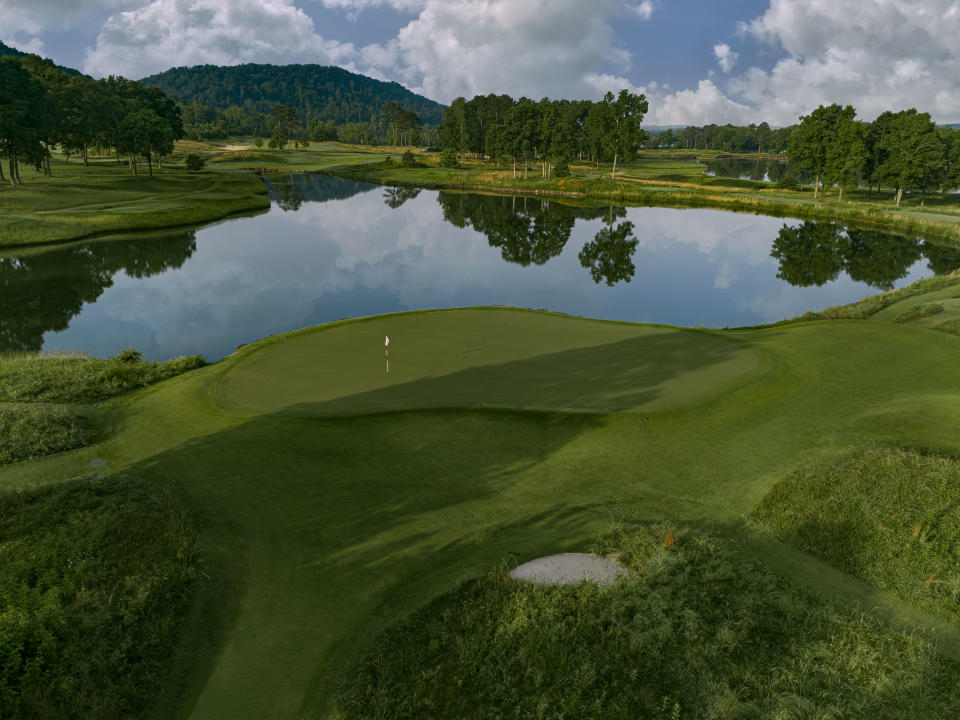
column 388, row 360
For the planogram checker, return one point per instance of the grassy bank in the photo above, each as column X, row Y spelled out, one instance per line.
column 696, row 630
column 95, row 578
column 886, row 515
column 662, row 182
column 46, row 402
column 103, row 198
column 338, row 499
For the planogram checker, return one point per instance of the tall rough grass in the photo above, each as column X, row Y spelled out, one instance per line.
column 71, row 379
column 95, row 578
column 695, row 631
column 886, row 515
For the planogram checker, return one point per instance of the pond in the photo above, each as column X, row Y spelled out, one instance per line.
column 763, row 169
column 330, row 248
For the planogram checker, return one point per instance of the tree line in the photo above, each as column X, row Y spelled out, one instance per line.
column 42, row 107
column 903, row 150
column 551, row 133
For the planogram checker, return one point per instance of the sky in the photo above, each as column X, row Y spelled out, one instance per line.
column 697, row 61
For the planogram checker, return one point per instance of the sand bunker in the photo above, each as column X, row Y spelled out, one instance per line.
column 569, row 569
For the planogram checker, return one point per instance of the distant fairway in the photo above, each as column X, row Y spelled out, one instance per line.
column 326, row 519
column 483, row 358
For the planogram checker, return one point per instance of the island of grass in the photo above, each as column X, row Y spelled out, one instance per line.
column 354, row 527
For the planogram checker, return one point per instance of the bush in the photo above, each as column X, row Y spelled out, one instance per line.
column 95, row 579
column 561, row 169
column 788, row 182
column 389, row 163
column 28, row 431
column 448, row 158
column 31, row 378
column 258, row 142
column 195, row 163
column 408, row 159
column 697, row 630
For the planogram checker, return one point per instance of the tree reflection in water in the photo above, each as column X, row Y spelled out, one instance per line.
column 44, row 291
column 533, row 230
column 290, row 191
column 814, row 253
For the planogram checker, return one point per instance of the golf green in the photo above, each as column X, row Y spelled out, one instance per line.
column 483, row 358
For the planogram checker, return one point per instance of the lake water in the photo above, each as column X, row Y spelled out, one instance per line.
column 330, row 248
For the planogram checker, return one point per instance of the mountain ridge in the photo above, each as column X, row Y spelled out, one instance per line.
column 318, row 92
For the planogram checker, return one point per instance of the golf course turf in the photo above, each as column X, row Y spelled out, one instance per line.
column 335, row 499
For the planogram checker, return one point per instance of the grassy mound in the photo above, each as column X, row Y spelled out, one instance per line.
column 94, row 580
column 28, row 431
column 65, row 379
column 886, row 515
column 696, row 631
column 483, row 357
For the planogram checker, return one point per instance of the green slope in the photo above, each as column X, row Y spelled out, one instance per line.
column 325, row 525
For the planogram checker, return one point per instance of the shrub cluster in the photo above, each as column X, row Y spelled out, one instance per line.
column 697, row 630
column 33, row 378
column 95, row 577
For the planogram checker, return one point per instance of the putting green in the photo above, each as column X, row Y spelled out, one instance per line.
column 483, row 358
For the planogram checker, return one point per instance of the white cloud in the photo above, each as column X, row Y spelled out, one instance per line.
column 22, row 20
column 644, row 9
column 726, row 57
column 875, row 55
column 165, row 33
column 533, row 48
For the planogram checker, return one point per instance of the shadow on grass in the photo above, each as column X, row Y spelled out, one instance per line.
column 334, row 519
column 647, row 372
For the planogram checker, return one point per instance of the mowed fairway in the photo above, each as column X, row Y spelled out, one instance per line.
column 337, row 499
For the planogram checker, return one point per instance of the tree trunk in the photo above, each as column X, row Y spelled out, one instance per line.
column 816, row 184
column 514, row 168
column 117, row 150
column 899, row 195
column 150, row 162
column 840, row 199
column 2, row 178
column 613, row 175
column 85, row 156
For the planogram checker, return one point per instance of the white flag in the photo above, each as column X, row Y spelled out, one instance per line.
column 387, row 344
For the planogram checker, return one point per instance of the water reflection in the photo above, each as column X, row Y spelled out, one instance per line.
column 394, row 197
column 761, row 169
column 815, row 253
column 290, row 191
column 44, row 291
column 353, row 249
column 526, row 230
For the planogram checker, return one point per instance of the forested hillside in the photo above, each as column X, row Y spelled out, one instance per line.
column 7, row 51
column 317, row 92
